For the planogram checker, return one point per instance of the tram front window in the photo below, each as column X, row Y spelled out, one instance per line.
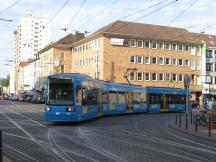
column 60, row 92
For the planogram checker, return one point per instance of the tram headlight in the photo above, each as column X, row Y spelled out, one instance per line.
column 47, row 108
column 70, row 109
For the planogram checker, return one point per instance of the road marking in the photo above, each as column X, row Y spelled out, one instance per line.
column 191, row 141
column 42, row 125
column 20, row 152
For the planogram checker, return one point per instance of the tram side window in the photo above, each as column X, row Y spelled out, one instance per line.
column 121, row 98
column 129, row 98
column 90, row 96
column 136, row 98
column 113, row 98
column 155, row 99
column 105, row 97
column 78, row 95
column 181, row 99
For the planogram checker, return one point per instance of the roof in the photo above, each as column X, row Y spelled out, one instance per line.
column 210, row 40
column 157, row 32
column 64, row 42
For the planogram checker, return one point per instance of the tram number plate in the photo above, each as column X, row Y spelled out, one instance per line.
column 57, row 113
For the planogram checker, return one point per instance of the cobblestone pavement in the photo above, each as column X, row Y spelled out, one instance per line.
column 121, row 138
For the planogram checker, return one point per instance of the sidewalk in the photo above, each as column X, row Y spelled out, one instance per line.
column 202, row 132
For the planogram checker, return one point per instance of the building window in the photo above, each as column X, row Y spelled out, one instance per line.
column 147, row 60
column 174, row 46
column 174, row 61
column 154, row 60
column 139, row 43
column 132, row 76
column 147, row 77
column 167, row 61
column 139, row 76
column 161, row 77
column 180, row 78
column 62, row 55
column 187, row 62
column 147, row 44
column 209, row 54
column 209, row 67
column 180, row 62
column 154, row 44
column 132, row 59
column 62, row 68
column 161, row 45
column 139, row 59
column 132, row 43
column 187, row 47
column 167, row 46
column 168, row 77
column 193, row 64
column 154, row 77
column 174, row 77
column 180, row 47
column 161, row 61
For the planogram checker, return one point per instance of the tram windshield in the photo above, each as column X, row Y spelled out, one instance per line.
column 60, row 91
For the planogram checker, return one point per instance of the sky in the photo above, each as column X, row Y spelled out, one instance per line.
column 94, row 14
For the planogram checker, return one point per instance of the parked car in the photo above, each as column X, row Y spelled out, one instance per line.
column 38, row 97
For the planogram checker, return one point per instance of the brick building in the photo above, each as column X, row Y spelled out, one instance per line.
column 150, row 55
column 56, row 57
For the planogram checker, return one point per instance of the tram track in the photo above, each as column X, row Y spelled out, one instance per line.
column 21, row 152
column 179, row 146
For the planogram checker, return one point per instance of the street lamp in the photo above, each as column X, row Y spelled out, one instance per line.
column 6, row 20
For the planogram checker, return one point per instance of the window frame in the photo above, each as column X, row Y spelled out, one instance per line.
column 130, row 40
column 138, row 43
column 138, row 76
column 152, row 60
column 166, row 46
column 176, row 46
column 176, row 61
column 181, row 61
column 149, row 46
column 134, row 59
column 156, row 43
column 144, row 77
column 166, row 61
column 152, row 77
column 148, row 58
column 159, row 77
column 138, row 60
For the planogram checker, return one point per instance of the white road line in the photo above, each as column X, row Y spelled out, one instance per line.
column 191, row 141
column 20, row 152
column 23, row 130
column 26, row 117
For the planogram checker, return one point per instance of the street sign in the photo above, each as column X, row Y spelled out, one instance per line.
column 187, row 80
column 205, row 89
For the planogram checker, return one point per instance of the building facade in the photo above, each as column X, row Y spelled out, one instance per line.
column 56, row 57
column 143, row 54
column 31, row 35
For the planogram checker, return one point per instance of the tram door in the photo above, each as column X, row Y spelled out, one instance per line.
column 100, row 100
column 164, row 103
column 129, row 101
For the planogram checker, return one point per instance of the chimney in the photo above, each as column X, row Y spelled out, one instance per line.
column 79, row 36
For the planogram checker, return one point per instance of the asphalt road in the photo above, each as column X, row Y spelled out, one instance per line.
column 123, row 138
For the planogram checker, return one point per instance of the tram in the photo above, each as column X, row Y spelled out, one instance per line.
column 77, row 97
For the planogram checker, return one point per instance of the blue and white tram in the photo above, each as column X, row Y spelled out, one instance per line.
column 77, row 97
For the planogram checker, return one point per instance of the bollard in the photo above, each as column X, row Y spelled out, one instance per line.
column 209, row 126
column 186, row 126
column 180, row 119
column 191, row 117
column 176, row 121
column 196, row 124
column 1, row 157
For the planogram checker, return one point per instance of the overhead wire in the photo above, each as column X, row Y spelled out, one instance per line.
column 59, row 10
column 100, row 12
column 75, row 15
column 187, row 8
column 123, row 26
column 13, row 4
